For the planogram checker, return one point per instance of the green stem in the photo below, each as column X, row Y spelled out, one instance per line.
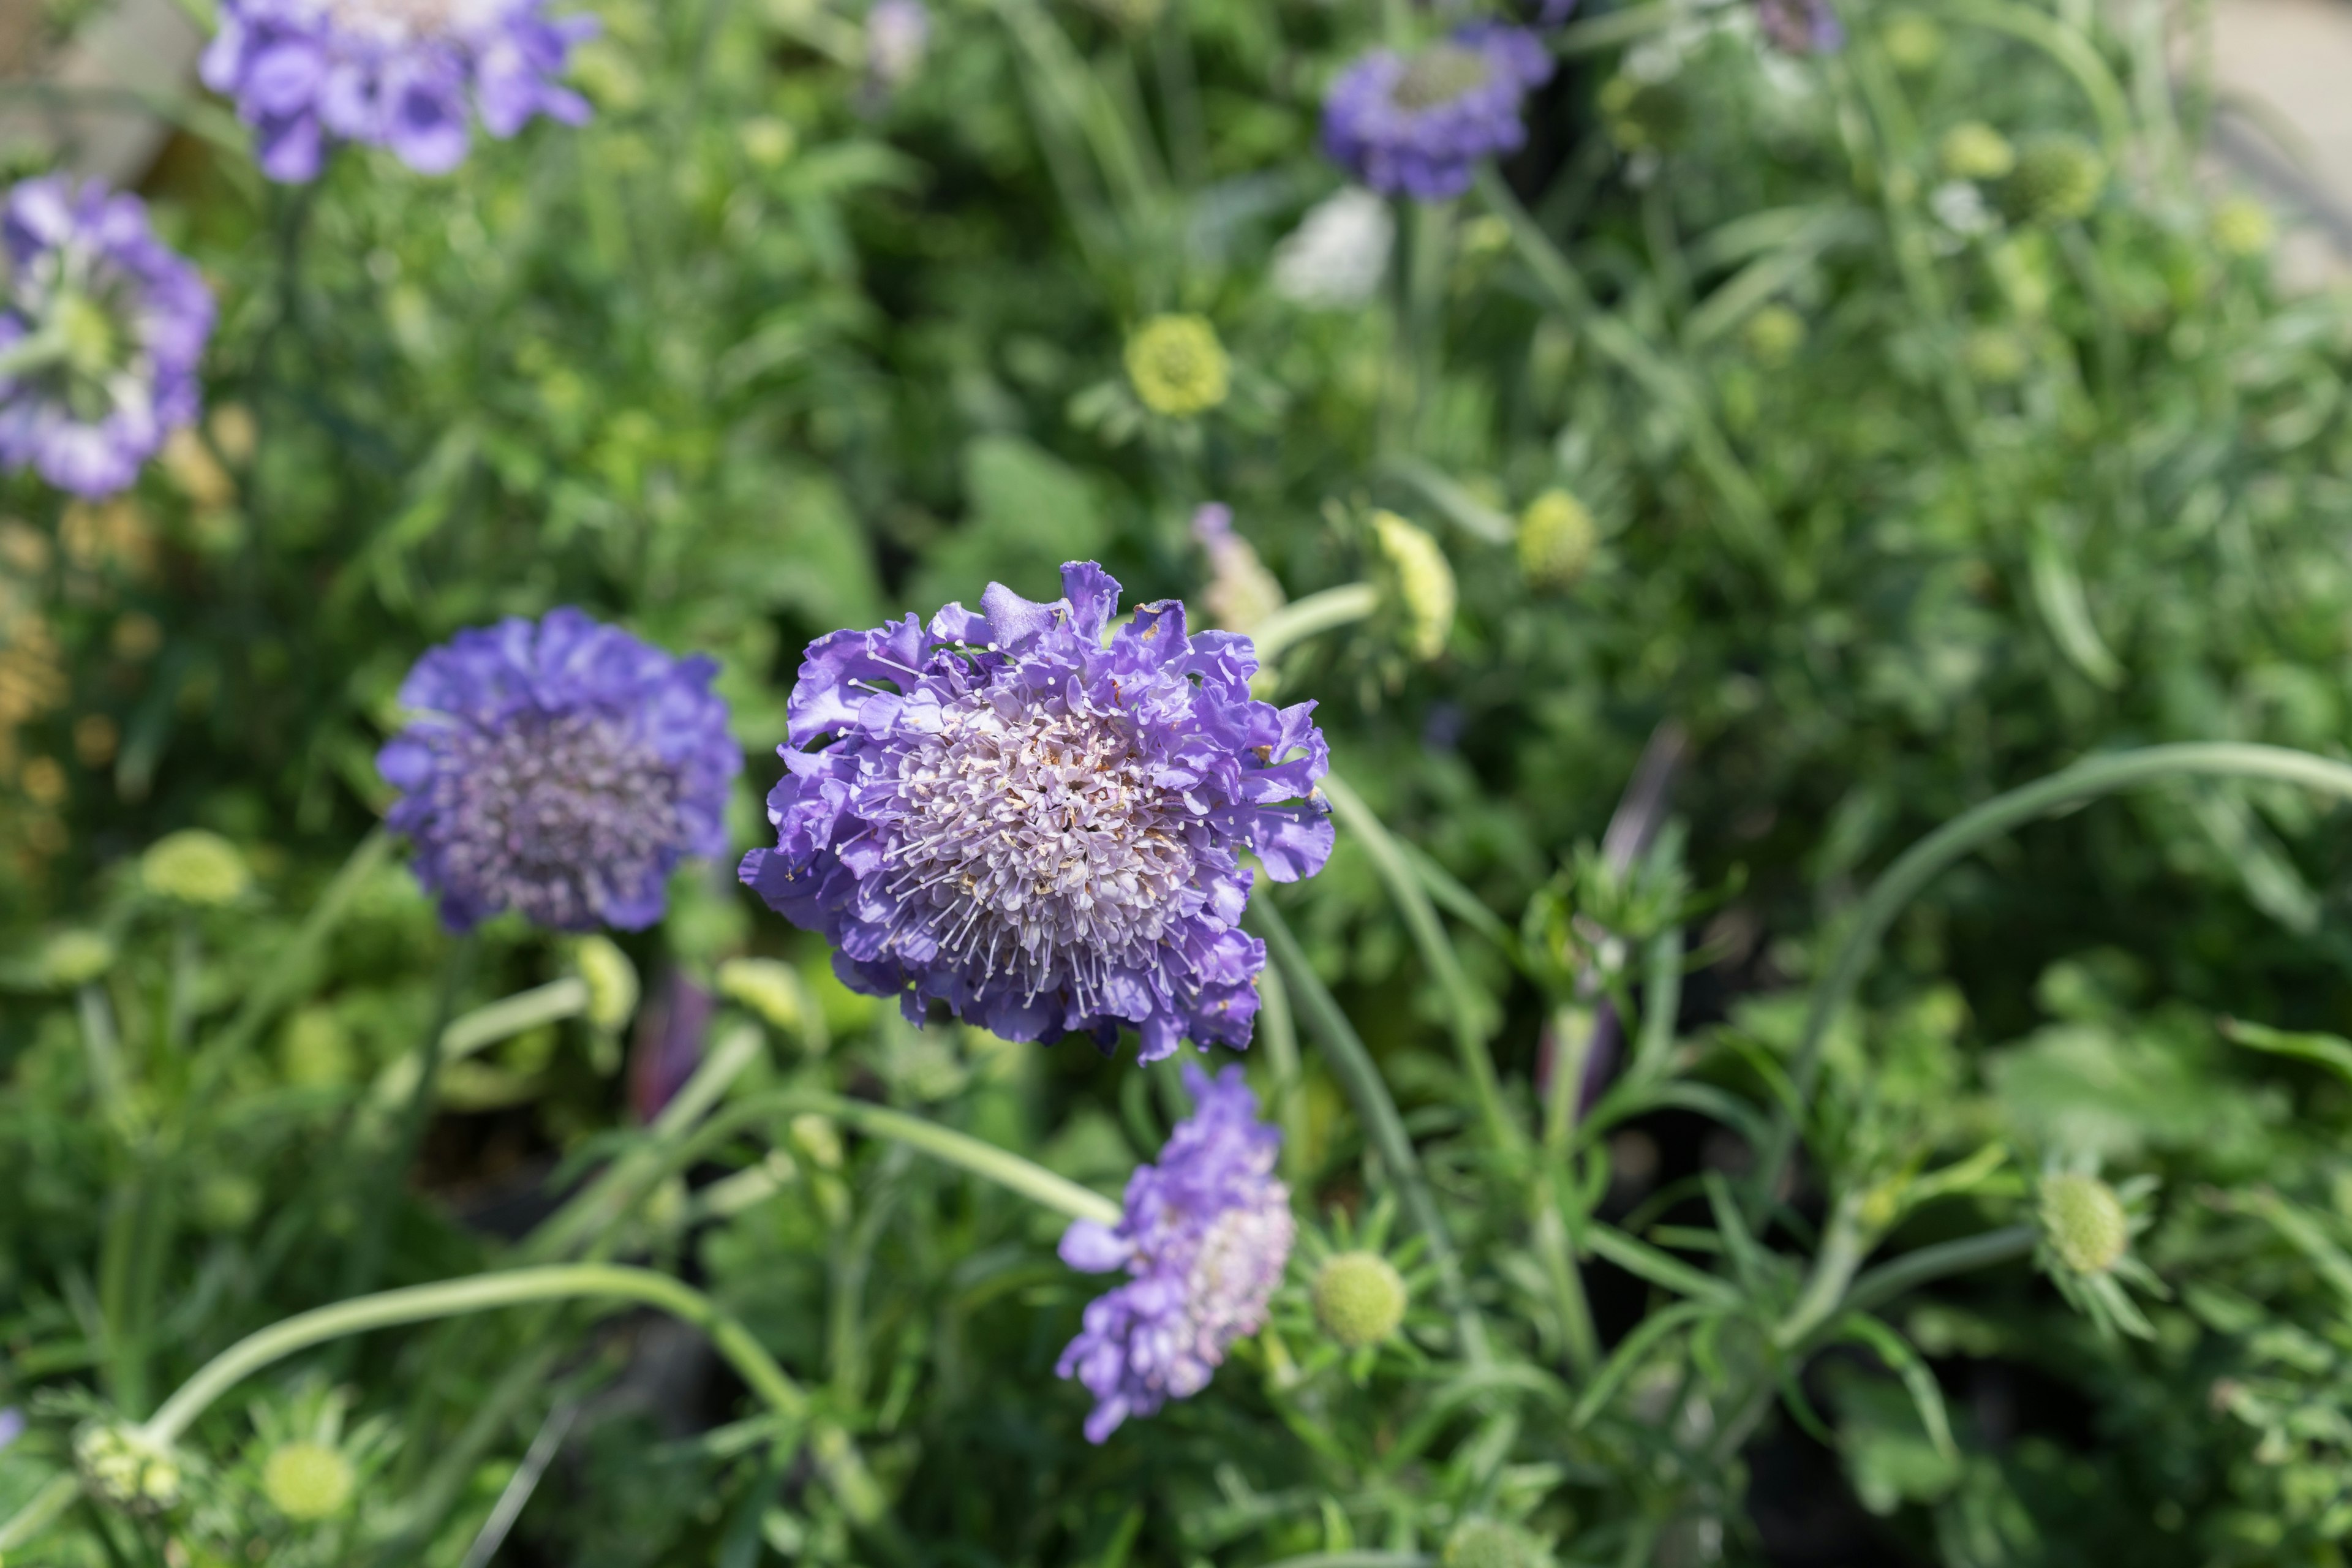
column 390, row 1176
column 1352, row 1065
column 289, row 970
column 1913, row 1269
column 1462, row 1003
column 476, row 1031
column 1303, row 618
column 1923, row 861
column 1006, row 1169
column 1842, row 1253
column 1279, row 1031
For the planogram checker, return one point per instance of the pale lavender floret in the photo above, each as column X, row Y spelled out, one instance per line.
column 559, row 768
column 11, row 1426
column 1206, row 1235
column 390, row 73
column 1418, row 126
column 101, row 331
column 1801, row 27
column 1039, row 828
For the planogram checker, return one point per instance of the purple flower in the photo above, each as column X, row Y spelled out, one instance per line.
column 11, row 1426
column 1417, row 127
column 1040, row 828
column 559, row 768
column 1206, row 1233
column 390, row 73
column 1801, row 27
column 897, row 36
column 101, row 328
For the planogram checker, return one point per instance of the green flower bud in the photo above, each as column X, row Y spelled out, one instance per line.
column 767, row 140
column 2085, row 1222
column 315, row 1050
column 1422, row 584
column 1975, row 151
column 1995, row 356
column 1774, row 334
column 74, row 958
column 308, row 1482
column 767, row 987
column 196, row 868
column 2057, row 178
column 1557, row 540
column 1177, row 366
column 1912, row 41
column 611, row 981
column 1491, row 1544
column 2243, row 226
column 227, row 1202
column 1359, row 1298
column 121, row 1467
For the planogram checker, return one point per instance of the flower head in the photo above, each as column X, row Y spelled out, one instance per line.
column 1177, row 366
column 1335, row 257
column 1801, row 27
column 1359, row 1298
column 196, row 868
column 100, row 331
column 1041, row 828
column 1417, row 126
column 1241, row 592
column 1419, row 581
column 390, row 73
column 2057, row 178
column 1557, row 540
column 1975, row 151
column 1206, row 1235
column 308, row 1482
column 559, row 768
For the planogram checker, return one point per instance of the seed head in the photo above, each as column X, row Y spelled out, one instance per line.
column 1177, row 366
column 1359, row 1298
column 1557, row 539
column 1421, row 583
column 196, row 868
column 2243, row 226
column 1975, row 151
column 121, row 1467
column 2057, row 179
column 75, row 958
column 308, row 1482
column 2085, row 1222
column 612, row 988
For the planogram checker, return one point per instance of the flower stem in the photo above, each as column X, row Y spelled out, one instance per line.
column 1004, row 1167
column 290, row 969
column 1303, row 618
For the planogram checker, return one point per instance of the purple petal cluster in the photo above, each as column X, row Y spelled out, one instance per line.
column 1206, row 1235
column 390, row 73
column 559, row 768
column 101, row 328
column 1040, row 827
column 1801, row 27
column 1418, row 126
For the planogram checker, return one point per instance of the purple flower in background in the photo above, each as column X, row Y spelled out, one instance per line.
column 1206, row 1235
column 101, row 328
column 1038, row 828
column 1417, row 127
column 897, row 36
column 559, row 768
column 11, row 1426
column 669, row 1042
column 1801, row 27
column 390, row 73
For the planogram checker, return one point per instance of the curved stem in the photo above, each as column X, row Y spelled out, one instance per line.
column 423, row 1303
column 1006, row 1169
column 1921, row 864
column 1303, row 618
column 1913, row 1269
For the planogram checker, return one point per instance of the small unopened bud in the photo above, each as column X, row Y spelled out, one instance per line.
column 196, row 868
column 1490, row 1543
column 1177, row 366
column 308, row 1482
column 74, row 958
column 2057, row 178
column 2085, row 1222
column 1422, row 581
column 1975, row 151
column 769, row 988
column 1774, row 334
column 2243, row 226
column 1557, row 540
column 121, row 1466
column 611, row 980
column 1359, row 1298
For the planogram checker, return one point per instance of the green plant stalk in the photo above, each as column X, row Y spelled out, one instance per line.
column 1279, row 1033
column 290, row 969
column 1310, row 616
column 472, row 1033
column 1843, row 1247
column 1921, row 864
column 1436, row 951
column 1913, row 1269
column 391, row 1177
column 1006, row 1169
column 1352, row 1065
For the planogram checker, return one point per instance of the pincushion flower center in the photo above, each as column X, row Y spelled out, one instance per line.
column 1440, row 74
column 405, row 19
column 1027, row 839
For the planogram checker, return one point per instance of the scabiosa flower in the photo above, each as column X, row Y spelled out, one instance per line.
column 898, row 37
column 100, row 331
column 559, row 768
column 1040, row 829
column 390, row 73
column 1801, row 27
column 1241, row 592
column 1206, row 1235
column 1417, row 127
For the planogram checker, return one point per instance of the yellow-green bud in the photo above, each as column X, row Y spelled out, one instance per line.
column 227, row 1202
column 308, row 1482
column 1912, row 41
column 767, row 987
column 767, row 140
column 2085, row 1222
column 315, row 1050
column 1422, row 584
column 121, row 1467
column 1359, row 1298
column 196, row 868
column 1490, row 1543
column 2056, row 178
column 2243, row 226
column 74, row 958
column 1995, row 356
column 1557, row 539
column 1774, row 334
column 1177, row 365
column 1975, row 151
column 611, row 981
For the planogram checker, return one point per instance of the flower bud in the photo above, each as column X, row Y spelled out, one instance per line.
column 74, row 958
column 196, row 868
column 2085, row 1222
column 1422, row 584
column 2057, row 178
column 308, row 1482
column 1912, row 41
column 1774, row 334
column 1994, row 356
column 121, row 1466
column 1359, row 1298
column 2243, row 226
column 612, row 988
column 1975, row 151
column 1557, row 540
column 769, row 988
column 1490, row 1543
column 1177, row 366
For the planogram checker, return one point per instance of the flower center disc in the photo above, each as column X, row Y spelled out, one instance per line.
column 1440, row 74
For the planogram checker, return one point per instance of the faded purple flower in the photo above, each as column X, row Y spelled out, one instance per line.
column 559, row 768
column 1039, row 828
column 1418, row 126
column 1206, row 1235
column 897, row 36
column 102, row 329
column 1801, row 27
column 390, row 73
